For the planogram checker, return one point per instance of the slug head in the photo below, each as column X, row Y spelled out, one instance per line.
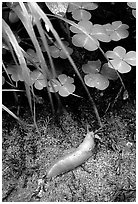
column 88, row 128
column 88, row 142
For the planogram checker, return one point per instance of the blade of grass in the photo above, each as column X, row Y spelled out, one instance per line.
column 25, row 18
column 43, row 38
column 7, row 74
column 24, row 124
column 34, row 112
column 13, row 90
column 8, row 34
column 11, row 49
column 47, row 22
column 113, row 67
column 44, row 41
column 12, row 85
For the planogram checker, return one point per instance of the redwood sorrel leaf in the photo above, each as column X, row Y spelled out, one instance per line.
column 108, row 28
column 96, row 80
column 82, row 40
column 81, row 14
column 63, row 85
column 54, row 85
column 92, row 67
column 88, row 35
column 117, row 53
column 33, row 55
column 89, row 5
column 120, row 60
column 84, row 25
column 16, row 72
column 62, row 53
column 66, row 89
column 13, row 18
column 81, row 5
column 134, row 12
column 98, row 76
column 38, row 79
column 131, row 4
column 130, row 58
column 108, row 72
column 63, row 78
column 99, row 32
column 56, row 51
column 117, row 30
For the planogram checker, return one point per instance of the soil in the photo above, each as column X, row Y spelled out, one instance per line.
column 109, row 175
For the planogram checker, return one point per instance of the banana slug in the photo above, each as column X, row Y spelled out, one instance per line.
column 75, row 158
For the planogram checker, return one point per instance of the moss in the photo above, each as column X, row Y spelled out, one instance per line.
column 28, row 155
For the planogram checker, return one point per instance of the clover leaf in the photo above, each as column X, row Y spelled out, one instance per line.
column 49, row 41
column 121, row 60
column 64, row 85
column 108, row 72
column 56, row 51
column 16, row 72
column 97, row 76
column 133, row 6
column 99, row 32
column 73, row 6
column 90, row 39
column 134, row 12
column 93, row 77
column 38, row 79
column 54, row 85
column 96, row 80
column 33, row 55
column 81, row 14
column 86, row 26
column 89, row 5
column 81, row 39
column 117, row 30
column 13, row 18
column 92, row 67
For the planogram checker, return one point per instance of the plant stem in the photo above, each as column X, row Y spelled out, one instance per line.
column 95, row 109
column 113, row 67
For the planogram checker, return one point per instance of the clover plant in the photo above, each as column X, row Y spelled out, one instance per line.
column 63, row 85
column 56, row 51
column 98, row 76
column 15, row 72
column 121, row 60
column 81, row 32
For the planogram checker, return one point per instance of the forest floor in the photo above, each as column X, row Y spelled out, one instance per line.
column 109, row 175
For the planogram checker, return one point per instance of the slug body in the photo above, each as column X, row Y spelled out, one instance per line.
column 73, row 159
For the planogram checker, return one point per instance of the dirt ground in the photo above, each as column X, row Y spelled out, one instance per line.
column 109, row 175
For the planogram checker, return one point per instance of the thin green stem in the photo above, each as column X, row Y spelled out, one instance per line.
column 113, row 67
